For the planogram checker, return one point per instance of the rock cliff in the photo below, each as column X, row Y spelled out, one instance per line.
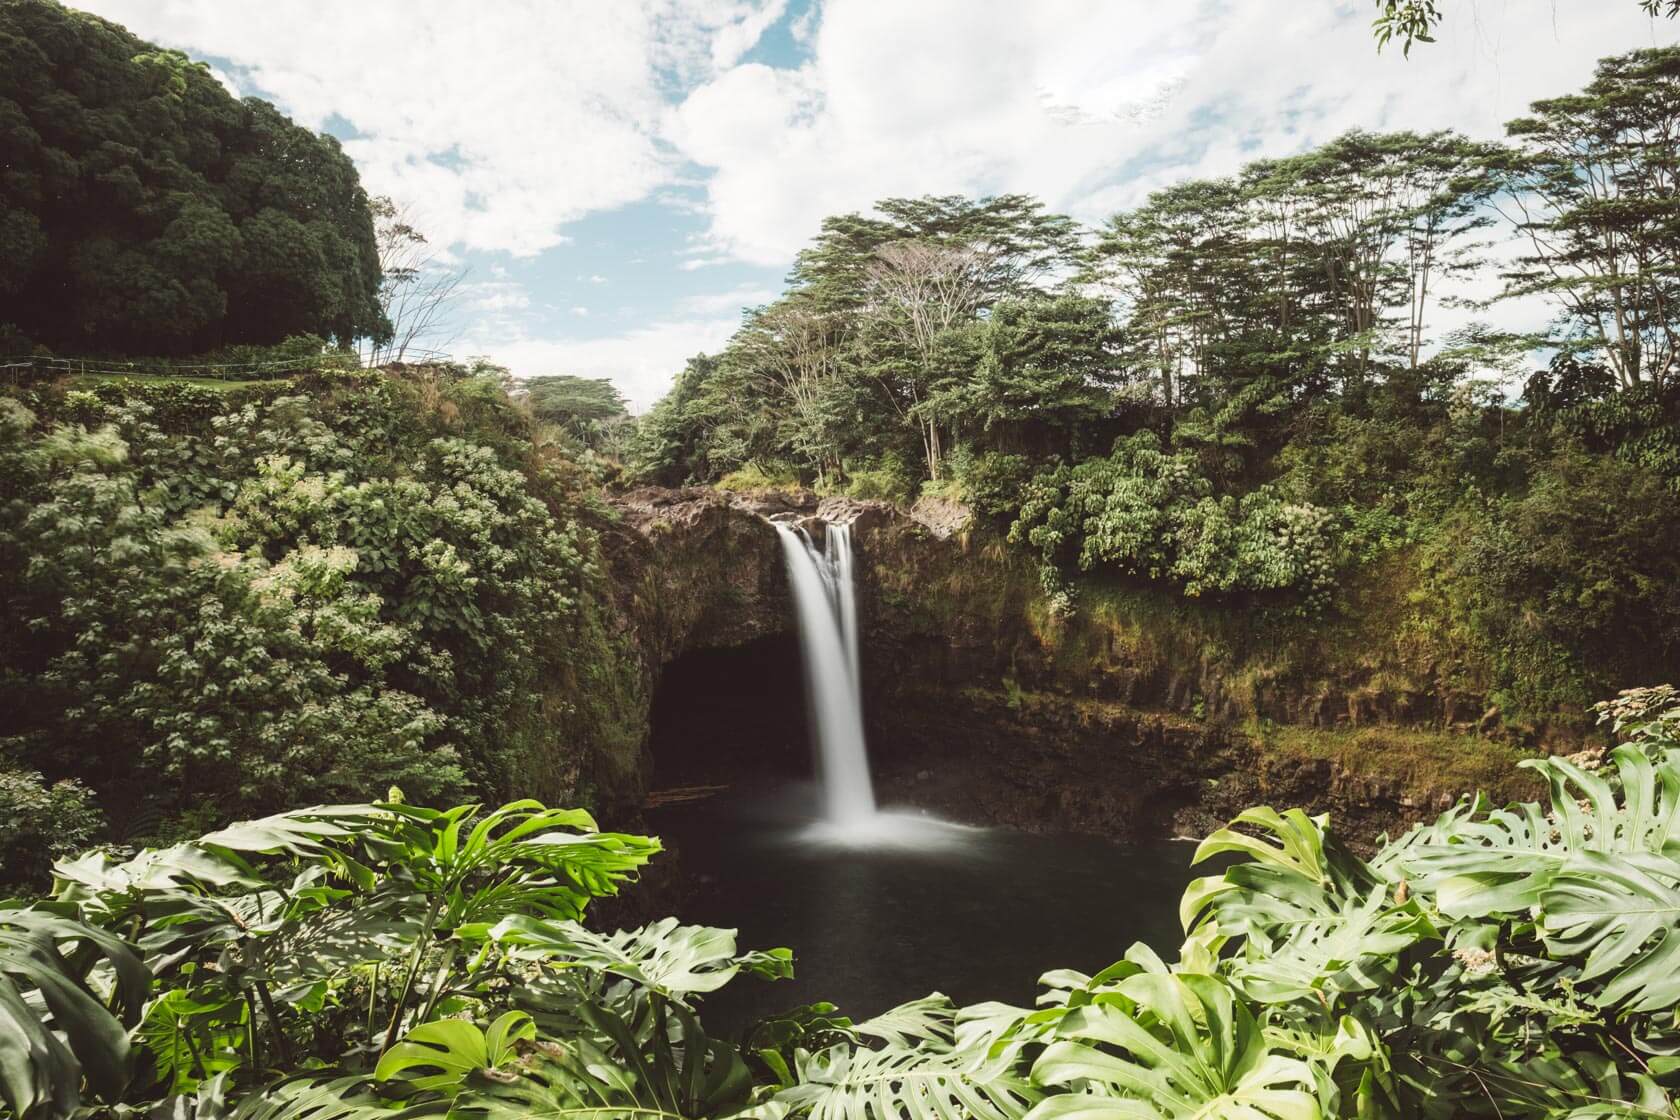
column 1136, row 714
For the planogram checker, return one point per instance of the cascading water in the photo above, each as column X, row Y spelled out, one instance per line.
column 826, row 604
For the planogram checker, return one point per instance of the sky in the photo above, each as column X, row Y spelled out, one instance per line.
column 620, row 178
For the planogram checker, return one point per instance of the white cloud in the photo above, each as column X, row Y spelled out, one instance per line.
column 495, row 296
column 1090, row 103
column 503, row 123
column 735, row 299
column 506, row 120
column 641, row 363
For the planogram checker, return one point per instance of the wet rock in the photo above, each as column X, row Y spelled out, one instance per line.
column 986, row 706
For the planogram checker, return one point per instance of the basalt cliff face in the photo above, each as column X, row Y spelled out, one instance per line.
column 1134, row 715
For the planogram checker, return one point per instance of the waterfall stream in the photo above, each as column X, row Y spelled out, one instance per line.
column 825, row 600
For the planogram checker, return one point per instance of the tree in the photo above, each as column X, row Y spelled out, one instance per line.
column 144, row 210
column 795, row 351
column 926, row 266
column 1414, row 21
column 573, row 401
column 417, row 290
column 1038, row 372
column 1595, row 187
column 1384, row 214
column 920, row 291
column 588, row 410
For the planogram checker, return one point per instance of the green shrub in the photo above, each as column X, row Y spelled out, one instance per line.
column 886, row 479
column 753, row 476
column 303, row 598
column 1150, row 514
column 41, row 822
column 994, row 481
column 1573, row 587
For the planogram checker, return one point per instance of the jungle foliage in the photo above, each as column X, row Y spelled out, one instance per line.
column 1243, row 388
column 143, row 209
column 377, row 960
column 224, row 603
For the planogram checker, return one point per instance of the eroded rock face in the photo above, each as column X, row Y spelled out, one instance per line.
column 983, row 705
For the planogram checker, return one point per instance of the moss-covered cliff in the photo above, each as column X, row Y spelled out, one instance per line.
column 1136, row 713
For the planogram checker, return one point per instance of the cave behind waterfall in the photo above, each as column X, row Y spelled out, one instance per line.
column 731, row 714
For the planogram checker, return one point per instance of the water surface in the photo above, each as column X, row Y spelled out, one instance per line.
column 975, row 913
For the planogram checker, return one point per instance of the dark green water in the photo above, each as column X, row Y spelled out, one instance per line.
column 975, row 913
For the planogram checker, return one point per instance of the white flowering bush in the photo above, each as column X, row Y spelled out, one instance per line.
column 1151, row 513
column 298, row 601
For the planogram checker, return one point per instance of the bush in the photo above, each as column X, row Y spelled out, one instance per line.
column 994, row 481
column 753, row 476
column 41, row 822
column 886, row 479
column 304, row 598
column 1572, row 587
column 1151, row 514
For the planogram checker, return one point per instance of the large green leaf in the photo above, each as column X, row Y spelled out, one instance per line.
column 1312, row 918
column 928, row 1022
column 1181, row 1046
column 1573, row 1087
column 574, row 1078
column 674, row 960
column 313, row 1097
column 521, row 858
column 56, row 1032
column 453, row 1048
column 190, row 1039
column 899, row 1083
column 1622, row 915
column 677, row 1071
column 1478, row 866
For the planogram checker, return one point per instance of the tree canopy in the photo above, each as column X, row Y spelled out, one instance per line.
column 143, row 209
column 1249, row 386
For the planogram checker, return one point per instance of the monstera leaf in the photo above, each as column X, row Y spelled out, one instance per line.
column 521, row 858
column 1479, row 866
column 1573, row 1087
column 674, row 960
column 679, row 1072
column 928, row 1022
column 1312, row 918
column 1177, row 1046
column 1621, row 916
column 916, row 1083
column 1595, row 877
column 1293, row 859
column 56, row 1033
column 453, row 1048
column 311, row 1097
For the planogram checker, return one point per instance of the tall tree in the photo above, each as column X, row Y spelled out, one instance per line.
column 920, row 267
column 1386, row 215
column 795, row 351
column 143, row 209
column 418, row 289
column 1039, row 371
column 1593, row 185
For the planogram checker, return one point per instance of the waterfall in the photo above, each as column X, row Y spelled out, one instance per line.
column 826, row 604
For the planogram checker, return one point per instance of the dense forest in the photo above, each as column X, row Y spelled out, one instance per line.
column 143, row 210
column 253, row 631
column 1242, row 390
